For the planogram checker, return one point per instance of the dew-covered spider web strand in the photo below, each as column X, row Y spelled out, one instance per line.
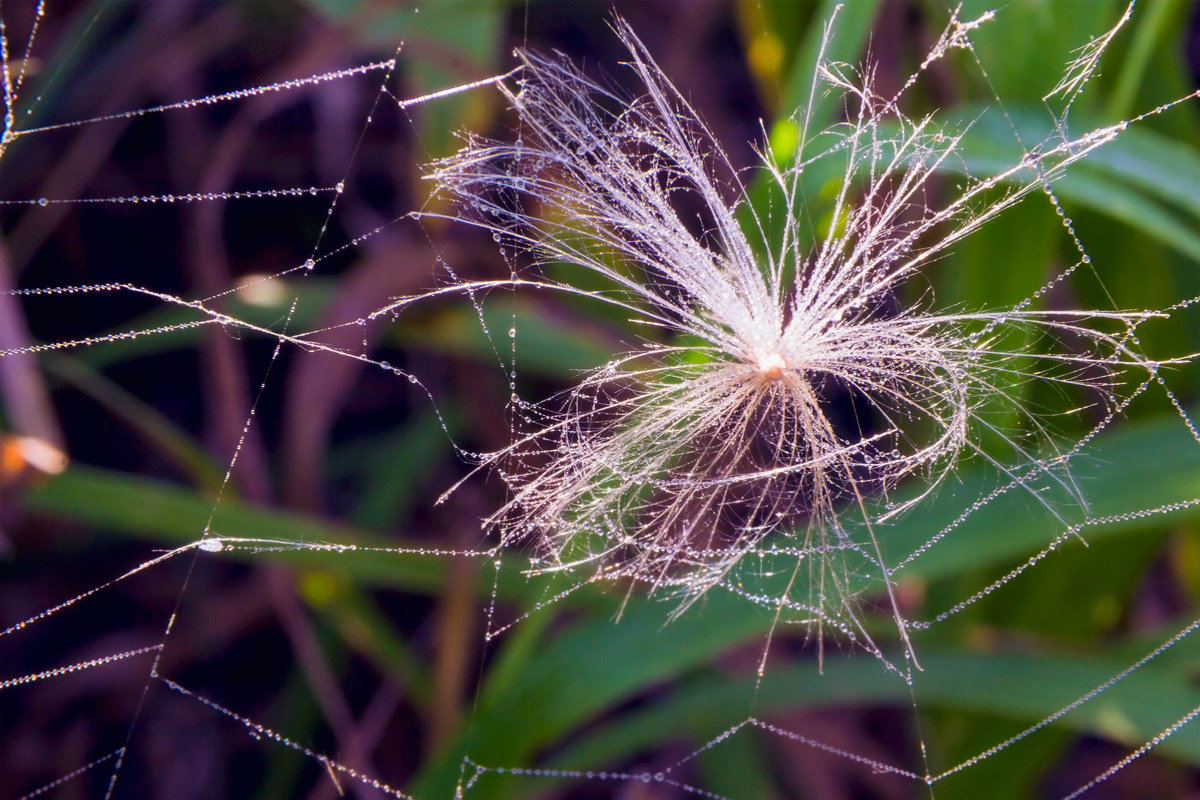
column 335, row 770
column 42, row 791
column 70, row 668
column 311, row 191
column 214, row 99
column 13, row 82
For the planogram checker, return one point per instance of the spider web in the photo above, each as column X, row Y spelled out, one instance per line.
column 138, row 671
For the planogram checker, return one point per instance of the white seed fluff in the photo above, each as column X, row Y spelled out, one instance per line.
column 786, row 391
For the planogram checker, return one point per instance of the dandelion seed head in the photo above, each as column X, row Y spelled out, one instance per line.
column 787, row 390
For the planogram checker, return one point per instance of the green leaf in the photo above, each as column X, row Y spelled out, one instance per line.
column 167, row 514
column 1021, row 687
column 848, row 38
column 546, row 344
column 1144, row 179
column 143, row 418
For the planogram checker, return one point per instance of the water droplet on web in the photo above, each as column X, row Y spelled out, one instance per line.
column 385, row 365
column 340, row 187
column 41, row 201
column 309, row 264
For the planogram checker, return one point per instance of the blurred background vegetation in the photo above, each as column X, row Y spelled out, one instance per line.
column 380, row 661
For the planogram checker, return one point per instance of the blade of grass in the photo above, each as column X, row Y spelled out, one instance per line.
column 1023, row 687
column 144, row 419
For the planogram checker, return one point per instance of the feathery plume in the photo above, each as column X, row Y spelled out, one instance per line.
column 784, row 394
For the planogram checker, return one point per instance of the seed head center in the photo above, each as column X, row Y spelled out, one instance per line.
column 771, row 366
